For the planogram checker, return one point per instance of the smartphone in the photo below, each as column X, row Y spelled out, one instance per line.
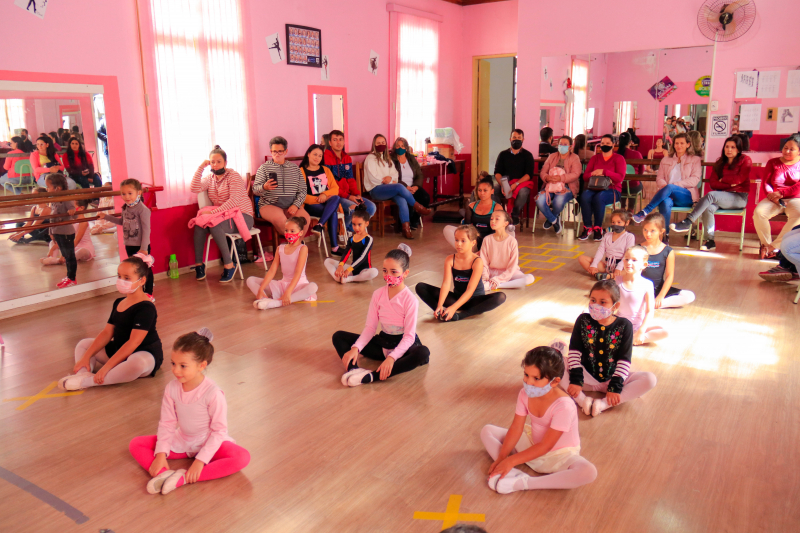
column 783, row 204
column 272, row 176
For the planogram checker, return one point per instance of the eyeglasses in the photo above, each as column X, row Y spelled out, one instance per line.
column 278, row 152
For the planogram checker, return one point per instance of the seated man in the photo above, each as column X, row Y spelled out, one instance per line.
column 341, row 165
column 281, row 188
column 546, row 142
column 513, row 170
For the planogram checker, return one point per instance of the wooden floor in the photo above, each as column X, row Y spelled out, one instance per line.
column 714, row 447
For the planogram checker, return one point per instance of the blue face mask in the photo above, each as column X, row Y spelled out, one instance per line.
column 532, row 391
column 563, row 149
column 400, row 151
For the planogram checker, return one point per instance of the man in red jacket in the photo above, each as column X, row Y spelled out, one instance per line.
column 341, row 165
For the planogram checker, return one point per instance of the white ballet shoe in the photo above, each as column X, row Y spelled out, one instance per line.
column 508, row 484
column 155, row 484
column 597, row 407
column 267, row 303
column 347, row 375
column 171, row 483
column 493, row 482
column 75, row 381
column 586, row 406
column 47, row 261
column 356, row 375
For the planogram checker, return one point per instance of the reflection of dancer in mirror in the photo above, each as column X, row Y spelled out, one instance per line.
column 373, row 64
column 276, row 46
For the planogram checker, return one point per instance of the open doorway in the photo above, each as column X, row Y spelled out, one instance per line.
column 494, row 109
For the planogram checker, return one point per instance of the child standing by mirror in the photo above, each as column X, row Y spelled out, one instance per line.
column 63, row 236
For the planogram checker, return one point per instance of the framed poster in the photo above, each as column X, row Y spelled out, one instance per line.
column 304, row 46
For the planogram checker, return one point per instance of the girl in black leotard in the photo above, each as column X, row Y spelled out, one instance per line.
column 477, row 214
column 462, row 272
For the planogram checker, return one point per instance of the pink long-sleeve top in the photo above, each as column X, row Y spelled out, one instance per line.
column 691, row 172
column 10, row 162
column 397, row 316
column 500, row 259
column 782, row 178
column 572, row 170
column 194, row 422
column 225, row 192
column 612, row 251
column 615, row 168
column 38, row 166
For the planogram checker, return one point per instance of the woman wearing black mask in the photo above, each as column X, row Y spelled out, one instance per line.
column 409, row 173
column 631, row 188
column 593, row 203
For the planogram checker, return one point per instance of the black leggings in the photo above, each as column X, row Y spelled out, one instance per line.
column 148, row 284
column 474, row 306
column 416, row 355
column 66, row 245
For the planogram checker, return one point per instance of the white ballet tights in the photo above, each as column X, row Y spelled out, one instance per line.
column 518, row 280
column 137, row 365
column 681, row 299
column 578, row 472
column 637, row 384
column 298, row 295
column 365, row 275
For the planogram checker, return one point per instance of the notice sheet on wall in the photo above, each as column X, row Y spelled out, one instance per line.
column 788, row 120
column 769, row 82
column 746, row 84
column 719, row 126
column 750, row 117
column 793, row 84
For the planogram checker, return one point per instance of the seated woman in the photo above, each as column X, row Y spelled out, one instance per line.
column 782, row 184
column 593, row 203
column 44, row 160
column 659, row 152
column 226, row 190
column 79, row 165
column 560, row 175
column 730, row 183
column 677, row 179
column 322, row 193
column 381, row 180
column 410, row 176
column 580, row 148
column 8, row 164
column 478, row 214
column 697, row 142
column 630, row 188
column 500, row 255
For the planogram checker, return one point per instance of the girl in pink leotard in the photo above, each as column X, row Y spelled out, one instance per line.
column 637, row 297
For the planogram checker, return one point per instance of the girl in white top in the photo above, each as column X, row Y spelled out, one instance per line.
column 637, row 298
column 500, row 255
column 84, row 247
column 291, row 260
column 608, row 258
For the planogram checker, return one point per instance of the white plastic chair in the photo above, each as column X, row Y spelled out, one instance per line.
column 204, row 201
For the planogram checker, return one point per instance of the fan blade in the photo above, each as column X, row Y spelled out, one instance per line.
column 730, row 28
column 710, row 15
column 736, row 4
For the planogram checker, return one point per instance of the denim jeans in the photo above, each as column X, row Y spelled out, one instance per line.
column 712, row 201
column 326, row 213
column 348, row 213
column 667, row 198
column 593, row 205
column 398, row 194
column 558, row 201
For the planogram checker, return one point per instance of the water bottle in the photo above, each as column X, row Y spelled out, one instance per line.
column 173, row 267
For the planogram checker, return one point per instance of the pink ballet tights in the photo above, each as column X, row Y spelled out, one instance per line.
column 229, row 459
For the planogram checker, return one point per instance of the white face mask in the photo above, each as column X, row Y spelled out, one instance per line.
column 126, row 287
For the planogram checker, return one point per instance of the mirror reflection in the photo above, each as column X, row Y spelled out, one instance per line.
column 328, row 115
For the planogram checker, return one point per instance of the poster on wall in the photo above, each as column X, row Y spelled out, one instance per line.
column 373, row 62
column 662, row 89
column 703, row 85
column 34, row 7
column 750, row 117
column 719, row 126
column 788, row 120
column 793, row 84
column 768, row 83
column 276, row 49
column 325, row 73
column 304, row 46
column 746, row 84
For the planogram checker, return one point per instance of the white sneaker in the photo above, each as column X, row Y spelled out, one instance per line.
column 171, row 483
column 155, row 484
column 356, row 375
column 75, row 381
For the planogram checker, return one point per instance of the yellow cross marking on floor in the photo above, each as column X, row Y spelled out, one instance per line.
column 547, row 256
column 315, row 302
column 451, row 515
column 30, row 400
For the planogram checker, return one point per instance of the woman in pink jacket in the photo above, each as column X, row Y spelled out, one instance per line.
column 9, row 162
column 677, row 179
column 45, row 160
column 561, row 170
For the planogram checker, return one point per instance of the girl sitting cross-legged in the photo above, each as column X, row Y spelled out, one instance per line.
column 500, row 255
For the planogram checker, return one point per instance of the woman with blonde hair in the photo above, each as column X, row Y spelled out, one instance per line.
column 409, row 174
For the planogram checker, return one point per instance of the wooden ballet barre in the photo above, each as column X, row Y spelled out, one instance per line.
column 28, row 229
column 47, row 217
column 63, row 196
column 40, row 195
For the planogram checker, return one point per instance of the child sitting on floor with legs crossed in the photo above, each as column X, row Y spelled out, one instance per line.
column 359, row 249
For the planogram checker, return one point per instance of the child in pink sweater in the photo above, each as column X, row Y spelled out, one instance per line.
column 194, row 423
column 500, row 255
column 607, row 260
column 394, row 307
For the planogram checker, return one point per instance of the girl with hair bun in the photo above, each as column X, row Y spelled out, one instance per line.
column 129, row 347
column 194, row 423
column 394, row 307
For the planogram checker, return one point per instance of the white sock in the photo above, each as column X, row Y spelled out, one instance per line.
column 599, row 406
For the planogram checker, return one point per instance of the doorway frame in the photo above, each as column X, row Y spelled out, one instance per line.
column 474, row 123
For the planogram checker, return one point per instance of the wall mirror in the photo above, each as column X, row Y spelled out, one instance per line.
column 30, row 262
column 327, row 110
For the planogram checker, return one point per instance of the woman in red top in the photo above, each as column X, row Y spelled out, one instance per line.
column 8, row 164
column 730, row 183
column 593, row 203
column 783, row 193
column 79, row 165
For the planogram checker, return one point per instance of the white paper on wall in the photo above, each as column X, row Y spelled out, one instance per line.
column 750, row 117
column 34, row 7
column 788, row 120
column 746, row 84
column 373, row 62
column 325, row 75
column 793, row 84
column 768, row 83
column 719, row 126
column 276, row 49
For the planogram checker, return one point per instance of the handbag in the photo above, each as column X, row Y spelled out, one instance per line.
column 598, row 183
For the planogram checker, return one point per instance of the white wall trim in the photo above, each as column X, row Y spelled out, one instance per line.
column 82, row 88
column 396, row 8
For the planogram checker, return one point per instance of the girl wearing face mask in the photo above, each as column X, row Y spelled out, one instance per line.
column 135, row 222
column 560, row 175
column 291, row 260
column 600, row 355
column 661, row 265
column 500, row 255
column 593, row 203
column 607, row 260
column 394, row 307
column 128, row 348
column 637, row 298
column 551, row 444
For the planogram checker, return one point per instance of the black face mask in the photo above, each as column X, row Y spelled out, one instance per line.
column 516, row 144
column 606, row 148
column 219, row 171
column 616, row 229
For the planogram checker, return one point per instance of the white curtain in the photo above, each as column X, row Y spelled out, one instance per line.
column 580, row 86
column 201, row 88
column 417, row 78
column 12, row 116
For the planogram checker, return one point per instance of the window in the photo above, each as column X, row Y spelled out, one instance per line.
column 624, row 115
column 580, row 84
column 12, row 117
column 417, row 78
column 201, row 87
